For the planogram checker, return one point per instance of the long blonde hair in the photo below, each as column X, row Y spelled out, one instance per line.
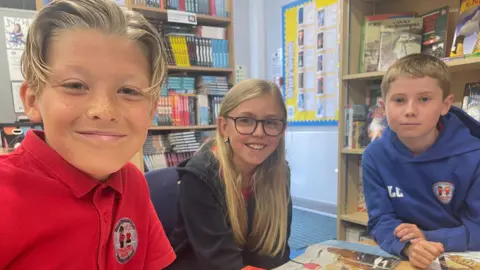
column 269, row 183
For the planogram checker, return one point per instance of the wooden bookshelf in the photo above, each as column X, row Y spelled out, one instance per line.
column 352, row 151
column 206, row 127
column 4, row 151
column 456, row 65
column 194, row 69
column 359, row 218
column 163, row 14
column 353, row 89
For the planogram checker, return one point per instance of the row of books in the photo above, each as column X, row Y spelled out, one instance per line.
column 186, row 51
column 388, row 37
column 179, row 85
column 180, row 110
column 189, row 45
column 218, row 8
column 167, row 150
column 207, row 85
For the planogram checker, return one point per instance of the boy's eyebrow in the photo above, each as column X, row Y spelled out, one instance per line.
column 80, row 69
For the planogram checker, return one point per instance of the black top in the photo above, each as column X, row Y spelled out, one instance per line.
column 203, row 238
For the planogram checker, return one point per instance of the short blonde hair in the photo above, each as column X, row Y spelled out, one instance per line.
column 101, row 15
column 418, row 66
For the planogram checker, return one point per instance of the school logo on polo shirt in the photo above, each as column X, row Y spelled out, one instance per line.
column 444, row 191
column 125, row 240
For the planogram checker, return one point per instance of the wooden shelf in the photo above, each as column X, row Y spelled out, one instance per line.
column 360, row 218
column 168, row 128
column 200, row 69
column 201, row 19
column 349, row 151
column 456, row 65
column 4, row 151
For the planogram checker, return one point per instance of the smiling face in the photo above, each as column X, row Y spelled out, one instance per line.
column 251, row 150
column 413, row 107
column 94, row 108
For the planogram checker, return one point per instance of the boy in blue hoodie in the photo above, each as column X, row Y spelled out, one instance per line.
column 421, row 177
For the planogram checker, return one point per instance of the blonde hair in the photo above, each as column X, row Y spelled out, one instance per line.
column 418, row 66
column 269, row 183
column 101, row 15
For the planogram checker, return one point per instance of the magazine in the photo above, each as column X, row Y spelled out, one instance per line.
column 457, row 261
column 467, row 36
column 398, row 38
column 330, row 257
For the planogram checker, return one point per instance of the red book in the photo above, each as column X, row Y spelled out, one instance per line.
column 213, row 9
column 181, row 5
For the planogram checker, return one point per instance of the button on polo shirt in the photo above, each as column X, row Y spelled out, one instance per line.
column 54, row 216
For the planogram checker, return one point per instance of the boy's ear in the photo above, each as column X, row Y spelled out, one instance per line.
column 381, row 103
column 30, row 102
column 447, row 103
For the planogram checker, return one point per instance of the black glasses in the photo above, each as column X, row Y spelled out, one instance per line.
column 248, row 125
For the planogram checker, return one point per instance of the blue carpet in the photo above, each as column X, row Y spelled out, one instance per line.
column 310, row 228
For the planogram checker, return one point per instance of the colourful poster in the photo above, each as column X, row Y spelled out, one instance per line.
column 311, row 62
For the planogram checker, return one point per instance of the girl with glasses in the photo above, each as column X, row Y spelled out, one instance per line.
column 234, row 201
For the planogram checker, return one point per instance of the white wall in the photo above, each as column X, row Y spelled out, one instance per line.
column 311, row 151
column 241, row 26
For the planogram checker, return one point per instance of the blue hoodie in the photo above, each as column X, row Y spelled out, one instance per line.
column 438, row 190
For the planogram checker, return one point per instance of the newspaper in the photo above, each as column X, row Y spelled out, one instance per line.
column 329, row 257
column 457, row 261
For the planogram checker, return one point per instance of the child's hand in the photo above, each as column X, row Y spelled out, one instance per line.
column 421, row 253
column 407, row 232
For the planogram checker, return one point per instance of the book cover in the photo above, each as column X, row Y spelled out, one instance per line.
column 398, row 38
column 434, row 40
column 466, row 41
column 457, row 261
column 370, row 43
column 471, row 100
column 324, row 256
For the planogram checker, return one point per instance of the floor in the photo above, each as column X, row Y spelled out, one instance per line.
column 309, row 228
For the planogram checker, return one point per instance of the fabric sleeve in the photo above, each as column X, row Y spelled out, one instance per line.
column 467, row 236
column 382, row 219
column 205, row 221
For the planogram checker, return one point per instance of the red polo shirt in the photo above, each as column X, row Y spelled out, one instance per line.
column 54, row 216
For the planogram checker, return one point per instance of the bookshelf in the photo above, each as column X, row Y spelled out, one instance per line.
column 355, row 84
column 157, row 14
column 4, row 151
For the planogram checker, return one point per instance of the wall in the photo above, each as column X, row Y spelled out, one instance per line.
column 311, row 151
column 241, row 26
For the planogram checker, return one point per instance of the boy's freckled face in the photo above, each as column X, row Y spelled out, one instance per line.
column 95, row 112
column 414, row 105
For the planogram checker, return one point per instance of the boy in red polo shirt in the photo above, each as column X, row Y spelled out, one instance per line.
column 69, row 198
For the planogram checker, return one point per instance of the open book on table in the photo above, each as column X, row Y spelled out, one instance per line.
column 340, row 255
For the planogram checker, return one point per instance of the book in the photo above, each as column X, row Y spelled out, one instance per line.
column 434, row 40
column 339, row 256
column 471, row 100
column 466, row 41
column 398, row 38
column 370, row 42
column 457, row 261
